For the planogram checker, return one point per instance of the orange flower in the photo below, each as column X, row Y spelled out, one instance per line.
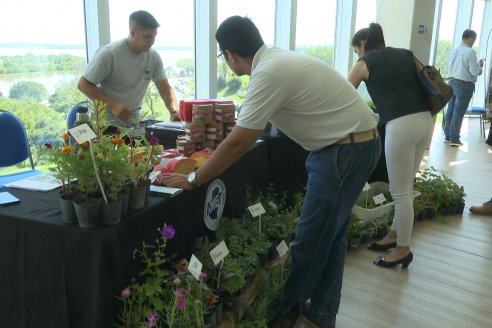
column 117, row 141
column 67, row 150
column 85, row 145
column 66, row 136
column 212, row 299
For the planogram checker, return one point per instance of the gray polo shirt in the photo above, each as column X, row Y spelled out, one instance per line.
column 124, row 76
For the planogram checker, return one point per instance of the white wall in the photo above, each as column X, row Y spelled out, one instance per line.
column 408, row 24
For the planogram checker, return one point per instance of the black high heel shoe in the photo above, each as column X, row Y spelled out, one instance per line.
column 404, row 261
column 381, row 247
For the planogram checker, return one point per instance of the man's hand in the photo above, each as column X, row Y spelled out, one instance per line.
column 174, row 116
column 175, row 180
column 121, row 111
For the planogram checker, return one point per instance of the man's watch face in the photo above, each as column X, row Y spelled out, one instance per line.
column 192, row 178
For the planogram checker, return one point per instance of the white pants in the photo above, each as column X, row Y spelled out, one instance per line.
column 407, row 138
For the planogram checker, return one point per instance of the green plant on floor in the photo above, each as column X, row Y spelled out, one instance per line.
column 438, row 191
column 280, row 219
column 162, row 297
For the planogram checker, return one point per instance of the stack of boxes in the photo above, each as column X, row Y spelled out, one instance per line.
column 209, row 123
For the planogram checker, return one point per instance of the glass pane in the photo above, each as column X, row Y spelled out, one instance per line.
column 446, row 35
column 42, row 54
column 174, row 42
column 366, row 14
column 477, row 18
column 262, row 13
column 315, row 28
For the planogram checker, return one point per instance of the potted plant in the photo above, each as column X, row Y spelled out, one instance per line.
column 354, row 229
column 141, row 161
column 61, row 160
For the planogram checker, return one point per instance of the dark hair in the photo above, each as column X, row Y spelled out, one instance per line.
column 143, row 19
column 239, row 35
column 468, row 34
column 372, row 36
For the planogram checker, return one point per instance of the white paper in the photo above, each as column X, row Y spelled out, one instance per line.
column 256, row 209
column 219, row 252
column 378, row 199
column 82, row 133
column 366, row 187
column 40, row 182
column 195, row 267
column 282, row 248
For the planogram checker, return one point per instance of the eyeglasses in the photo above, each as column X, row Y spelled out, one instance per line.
column 222, row 53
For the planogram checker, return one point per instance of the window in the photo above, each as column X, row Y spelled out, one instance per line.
column 446, row 35
column 262, row 13
column 315, row 28
column 42, row 54
column 366, row 14
column 174, row 42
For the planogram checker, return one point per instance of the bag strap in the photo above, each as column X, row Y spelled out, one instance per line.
column 417, row 62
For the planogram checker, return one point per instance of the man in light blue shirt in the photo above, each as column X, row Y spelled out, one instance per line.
column 463, row 70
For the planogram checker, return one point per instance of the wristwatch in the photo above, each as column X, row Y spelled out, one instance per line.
column 192, row 179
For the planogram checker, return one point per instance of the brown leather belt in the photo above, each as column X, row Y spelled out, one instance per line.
column 358, row 137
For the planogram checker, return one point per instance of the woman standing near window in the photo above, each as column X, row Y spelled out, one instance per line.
column 390, row 75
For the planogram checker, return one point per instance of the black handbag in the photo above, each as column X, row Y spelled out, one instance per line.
column 436, row 91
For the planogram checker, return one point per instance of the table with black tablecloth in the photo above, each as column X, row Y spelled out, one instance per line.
column 58, row 275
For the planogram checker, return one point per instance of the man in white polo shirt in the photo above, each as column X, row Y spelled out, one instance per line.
column 319, row 109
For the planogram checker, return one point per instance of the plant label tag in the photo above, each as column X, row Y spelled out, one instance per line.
column 366, row 187
column 195, row 267
column 378, row 199
column 282, row 248
column 256, row 209
column 82, row 133
column 219, row 252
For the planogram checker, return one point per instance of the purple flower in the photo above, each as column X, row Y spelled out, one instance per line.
column 117, row 132
column 168, row 232
column 181, row 304
column 181, row 293
column 154, row 140
column 126, row 292
column 152, row 320
column 48, row 145
column 203, row 275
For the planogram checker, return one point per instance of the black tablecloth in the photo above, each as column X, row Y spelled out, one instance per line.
column 58, row 275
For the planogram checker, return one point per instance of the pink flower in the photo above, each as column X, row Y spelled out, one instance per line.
column 154, row 140
column 152, row 320
column 126, row 292
column 117, row 132
column 181, row 304
column 181, row 293
column 168, row 232
column 203, row 275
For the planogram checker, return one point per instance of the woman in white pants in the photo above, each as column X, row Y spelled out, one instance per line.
column 390, row 75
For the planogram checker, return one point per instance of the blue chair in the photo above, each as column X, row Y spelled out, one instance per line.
column 14, row 148
column 72, row 115
column 481, row 113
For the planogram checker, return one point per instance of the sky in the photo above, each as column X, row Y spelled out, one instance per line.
column 61, row 22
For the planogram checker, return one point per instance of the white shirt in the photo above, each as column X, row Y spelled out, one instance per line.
column 307, row 99
column 463, row 64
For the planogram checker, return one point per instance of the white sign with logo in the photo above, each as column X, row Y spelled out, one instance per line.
column 214, row 204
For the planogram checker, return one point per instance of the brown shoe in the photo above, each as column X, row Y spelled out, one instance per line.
column 288, row 320
column 485, row 209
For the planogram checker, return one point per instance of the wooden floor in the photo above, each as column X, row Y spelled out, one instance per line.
column 449, row 282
